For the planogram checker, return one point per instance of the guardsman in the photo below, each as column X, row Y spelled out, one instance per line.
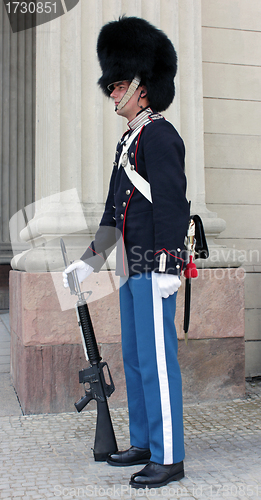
column 146, row 205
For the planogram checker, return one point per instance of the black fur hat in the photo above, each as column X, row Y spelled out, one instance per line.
column 132, row 46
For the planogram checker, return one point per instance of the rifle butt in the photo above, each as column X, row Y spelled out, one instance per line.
column 105, row 441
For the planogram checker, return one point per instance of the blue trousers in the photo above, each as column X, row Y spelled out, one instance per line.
column 153, row 379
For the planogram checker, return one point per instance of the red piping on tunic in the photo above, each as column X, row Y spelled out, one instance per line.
column 164, row 249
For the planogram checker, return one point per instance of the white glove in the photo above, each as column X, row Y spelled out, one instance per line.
column 83, row 270
column 168, row 284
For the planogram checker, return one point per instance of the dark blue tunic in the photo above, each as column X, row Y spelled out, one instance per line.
column 147, row 230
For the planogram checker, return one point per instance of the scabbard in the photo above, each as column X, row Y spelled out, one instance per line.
column 187, row 305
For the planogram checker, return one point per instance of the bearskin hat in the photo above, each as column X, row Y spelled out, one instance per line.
column 132, row 46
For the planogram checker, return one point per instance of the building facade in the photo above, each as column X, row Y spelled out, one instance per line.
column 59, row 133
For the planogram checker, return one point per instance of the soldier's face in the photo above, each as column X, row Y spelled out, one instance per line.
column 131, row 108
column 118, row 90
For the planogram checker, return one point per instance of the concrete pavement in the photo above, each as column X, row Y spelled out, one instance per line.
column 50, row 456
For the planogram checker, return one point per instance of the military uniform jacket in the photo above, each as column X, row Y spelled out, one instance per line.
column 149, row 236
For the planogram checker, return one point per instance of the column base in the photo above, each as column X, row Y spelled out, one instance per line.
column 46, row 346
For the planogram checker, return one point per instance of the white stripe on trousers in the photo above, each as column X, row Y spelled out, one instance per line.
column 162, row 372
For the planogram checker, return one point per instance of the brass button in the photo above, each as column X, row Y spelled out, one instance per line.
column 128, row 192
column 115, row 163
column 132, row 155
column 122, row 216
column 132, row 167
column 177, row 266
column 178, row 249
column 124, row 204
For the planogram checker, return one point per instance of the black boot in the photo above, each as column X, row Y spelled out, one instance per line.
column 132, row 456
column 156, row 475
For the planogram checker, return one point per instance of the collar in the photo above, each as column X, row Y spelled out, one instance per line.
column 140, row 119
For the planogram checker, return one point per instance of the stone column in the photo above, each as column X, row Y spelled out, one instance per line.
column 17, row 119
column 92, row 136
column 58, row 165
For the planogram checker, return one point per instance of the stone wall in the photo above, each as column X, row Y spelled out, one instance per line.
column 46, row 350
column 231, row 46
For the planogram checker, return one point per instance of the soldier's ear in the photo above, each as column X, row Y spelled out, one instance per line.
column 143, row 92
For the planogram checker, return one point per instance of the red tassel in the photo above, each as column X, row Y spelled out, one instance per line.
column 191, row 270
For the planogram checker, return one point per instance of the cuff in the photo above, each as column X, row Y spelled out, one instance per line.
column 94, row 259
column 168, row 262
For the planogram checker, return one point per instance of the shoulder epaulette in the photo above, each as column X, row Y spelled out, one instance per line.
column 156, row 116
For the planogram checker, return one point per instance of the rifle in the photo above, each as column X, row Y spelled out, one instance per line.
column 99, row 389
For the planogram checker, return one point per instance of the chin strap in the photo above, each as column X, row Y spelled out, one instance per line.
column 127, row 96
